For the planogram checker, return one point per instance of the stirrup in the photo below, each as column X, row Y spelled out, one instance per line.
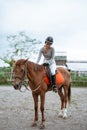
column 55, row 88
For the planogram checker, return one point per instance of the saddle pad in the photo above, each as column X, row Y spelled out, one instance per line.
column 59, row 79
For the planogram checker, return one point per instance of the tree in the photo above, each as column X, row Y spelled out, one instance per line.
column 20, row 46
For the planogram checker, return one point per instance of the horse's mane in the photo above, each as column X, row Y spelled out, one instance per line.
column 35, row 67
column 32, row 65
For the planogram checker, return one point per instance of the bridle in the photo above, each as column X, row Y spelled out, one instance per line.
column 22, row 81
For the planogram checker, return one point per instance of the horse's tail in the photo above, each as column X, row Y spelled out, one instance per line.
column 69, row 93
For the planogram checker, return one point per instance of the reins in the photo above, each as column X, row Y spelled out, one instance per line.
column 37, row 87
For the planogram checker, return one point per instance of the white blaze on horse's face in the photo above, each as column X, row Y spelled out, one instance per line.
column 19, row 74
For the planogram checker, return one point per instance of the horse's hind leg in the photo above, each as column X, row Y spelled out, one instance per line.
column 62, row 101
column 65, row 103
column 63, row 93
column 67, row 92
column 35, row 97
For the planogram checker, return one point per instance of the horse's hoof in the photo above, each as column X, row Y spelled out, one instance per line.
column 34, row 124
column 64, row 116
column 42, row 126
column 60, row 114
column 64, row 113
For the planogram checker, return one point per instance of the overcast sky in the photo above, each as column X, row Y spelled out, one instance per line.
column 64, row 20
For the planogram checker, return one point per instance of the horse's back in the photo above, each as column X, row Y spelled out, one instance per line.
column 63, row 70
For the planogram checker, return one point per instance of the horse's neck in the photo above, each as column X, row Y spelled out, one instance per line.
column 33, row 75
column 30, row 71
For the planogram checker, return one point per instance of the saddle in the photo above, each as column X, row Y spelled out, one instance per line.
column 48, row 79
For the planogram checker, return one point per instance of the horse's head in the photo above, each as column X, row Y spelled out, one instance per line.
column 19, row 72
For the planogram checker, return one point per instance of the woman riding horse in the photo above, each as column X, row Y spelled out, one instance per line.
column 49, row 54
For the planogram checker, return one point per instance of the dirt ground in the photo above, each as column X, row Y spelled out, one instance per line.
column 16, row 110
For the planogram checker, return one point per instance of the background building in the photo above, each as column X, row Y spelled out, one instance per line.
column 61, row 58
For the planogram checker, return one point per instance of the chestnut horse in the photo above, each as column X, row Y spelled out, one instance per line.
column 35, row 74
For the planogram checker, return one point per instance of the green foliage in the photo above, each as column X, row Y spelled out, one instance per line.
column 4, row 75
column 20, row 46
column 8, row 61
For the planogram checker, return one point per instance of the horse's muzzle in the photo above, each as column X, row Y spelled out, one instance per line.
column 16, row 86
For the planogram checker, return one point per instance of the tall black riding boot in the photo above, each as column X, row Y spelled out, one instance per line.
column 54, row 83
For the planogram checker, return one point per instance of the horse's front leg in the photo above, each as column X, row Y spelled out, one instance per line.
column 42, row 97
column 35, row 97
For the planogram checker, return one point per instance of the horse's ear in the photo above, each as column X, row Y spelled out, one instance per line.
column 26, row 60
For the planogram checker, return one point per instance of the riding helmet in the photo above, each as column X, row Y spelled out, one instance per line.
column 49, row 40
